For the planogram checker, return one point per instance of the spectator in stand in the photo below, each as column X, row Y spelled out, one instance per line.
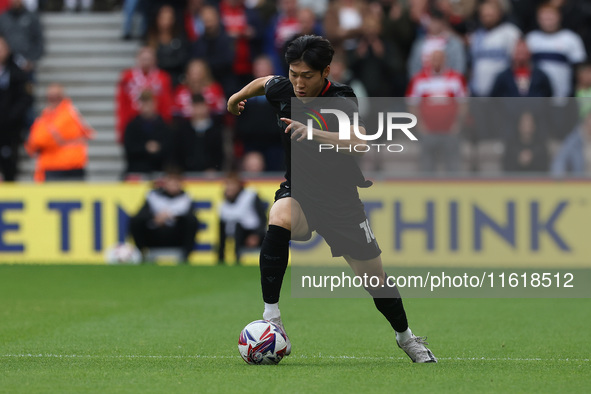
column 199, row 140
column 198, row 80
column 72, row 5
column 243, row 217
column 339, row 72
column 583, row 89
column 575, row 152
column 15, row 100
column 253, row 163
column 4, row 5
column 244, row 26
column 129, row 9
column 256, row 128
column 216, row 48
column 283, row 26
column 491, row 47
column 153, row 6
column 399, row 26
column 576, row 16
column 437, row 96
column 59, row 139
column 318, row 7
column 148, row 139
column 309, row 25
column 167, row 218
column 167, row 39
column 522, row 78
column 375, row 60
column 344, row 23
column 32, row 5
column 194, row 27
column 134, row 81
column 438, row 37
column 527, row 150
column 458, row 14
column 555, row 50
column 24, row 34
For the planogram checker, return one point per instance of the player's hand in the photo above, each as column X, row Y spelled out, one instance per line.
column 298, row 130
column 235, row 107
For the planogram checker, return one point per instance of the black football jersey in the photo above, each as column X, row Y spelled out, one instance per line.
column 323, row 178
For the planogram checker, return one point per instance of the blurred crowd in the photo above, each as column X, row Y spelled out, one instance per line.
column 170, row 107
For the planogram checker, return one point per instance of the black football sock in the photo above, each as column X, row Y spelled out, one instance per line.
column 273, row 262
column 389, row 303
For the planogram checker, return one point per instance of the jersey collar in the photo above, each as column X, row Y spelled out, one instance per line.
column 326, row 87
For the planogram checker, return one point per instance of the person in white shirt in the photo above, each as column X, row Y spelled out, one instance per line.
column 555, row 50
column 491, row 47
column 167, row 217
column 242, row 217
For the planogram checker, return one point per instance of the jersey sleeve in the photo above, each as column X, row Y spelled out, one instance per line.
column 274, row 88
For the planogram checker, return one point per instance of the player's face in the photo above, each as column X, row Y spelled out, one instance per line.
column 307, row 82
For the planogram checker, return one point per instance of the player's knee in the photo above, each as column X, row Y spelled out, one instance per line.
column 280, row 218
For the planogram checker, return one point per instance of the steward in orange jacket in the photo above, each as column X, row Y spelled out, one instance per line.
column 59, row 139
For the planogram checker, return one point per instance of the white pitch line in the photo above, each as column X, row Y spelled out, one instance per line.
column 319, row 356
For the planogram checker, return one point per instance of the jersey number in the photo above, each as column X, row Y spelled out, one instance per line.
column 368, row 233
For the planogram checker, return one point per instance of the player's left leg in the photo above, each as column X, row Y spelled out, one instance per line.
column 389, row 302
column 286, row 221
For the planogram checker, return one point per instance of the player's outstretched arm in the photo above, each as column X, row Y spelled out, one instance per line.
column 255, row 88
column 299, row 132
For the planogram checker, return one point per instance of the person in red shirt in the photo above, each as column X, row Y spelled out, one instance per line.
column 284, row 26
column 145, row 76
column 198, row 80
column 194, row 27
column 436, row 96
column 4, row 5
column 244, row 26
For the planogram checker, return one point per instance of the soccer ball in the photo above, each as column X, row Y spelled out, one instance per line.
column 262, row 342
column 123, row 253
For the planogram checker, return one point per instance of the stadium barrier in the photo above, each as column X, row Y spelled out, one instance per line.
column 502, row 223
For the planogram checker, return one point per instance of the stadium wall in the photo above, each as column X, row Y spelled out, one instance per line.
column 434, row 223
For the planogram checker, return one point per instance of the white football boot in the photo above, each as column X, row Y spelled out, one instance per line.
column 417, row 351
column 277, row 321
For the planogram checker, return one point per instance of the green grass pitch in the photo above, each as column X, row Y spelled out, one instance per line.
column 150, row 329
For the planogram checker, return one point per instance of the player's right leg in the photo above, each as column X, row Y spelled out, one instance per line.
column 388, row 301
column 285, row 218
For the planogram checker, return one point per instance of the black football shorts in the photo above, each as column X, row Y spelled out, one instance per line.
column 346, row 231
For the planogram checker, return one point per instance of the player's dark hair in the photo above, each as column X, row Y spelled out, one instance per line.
column 315, row 51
